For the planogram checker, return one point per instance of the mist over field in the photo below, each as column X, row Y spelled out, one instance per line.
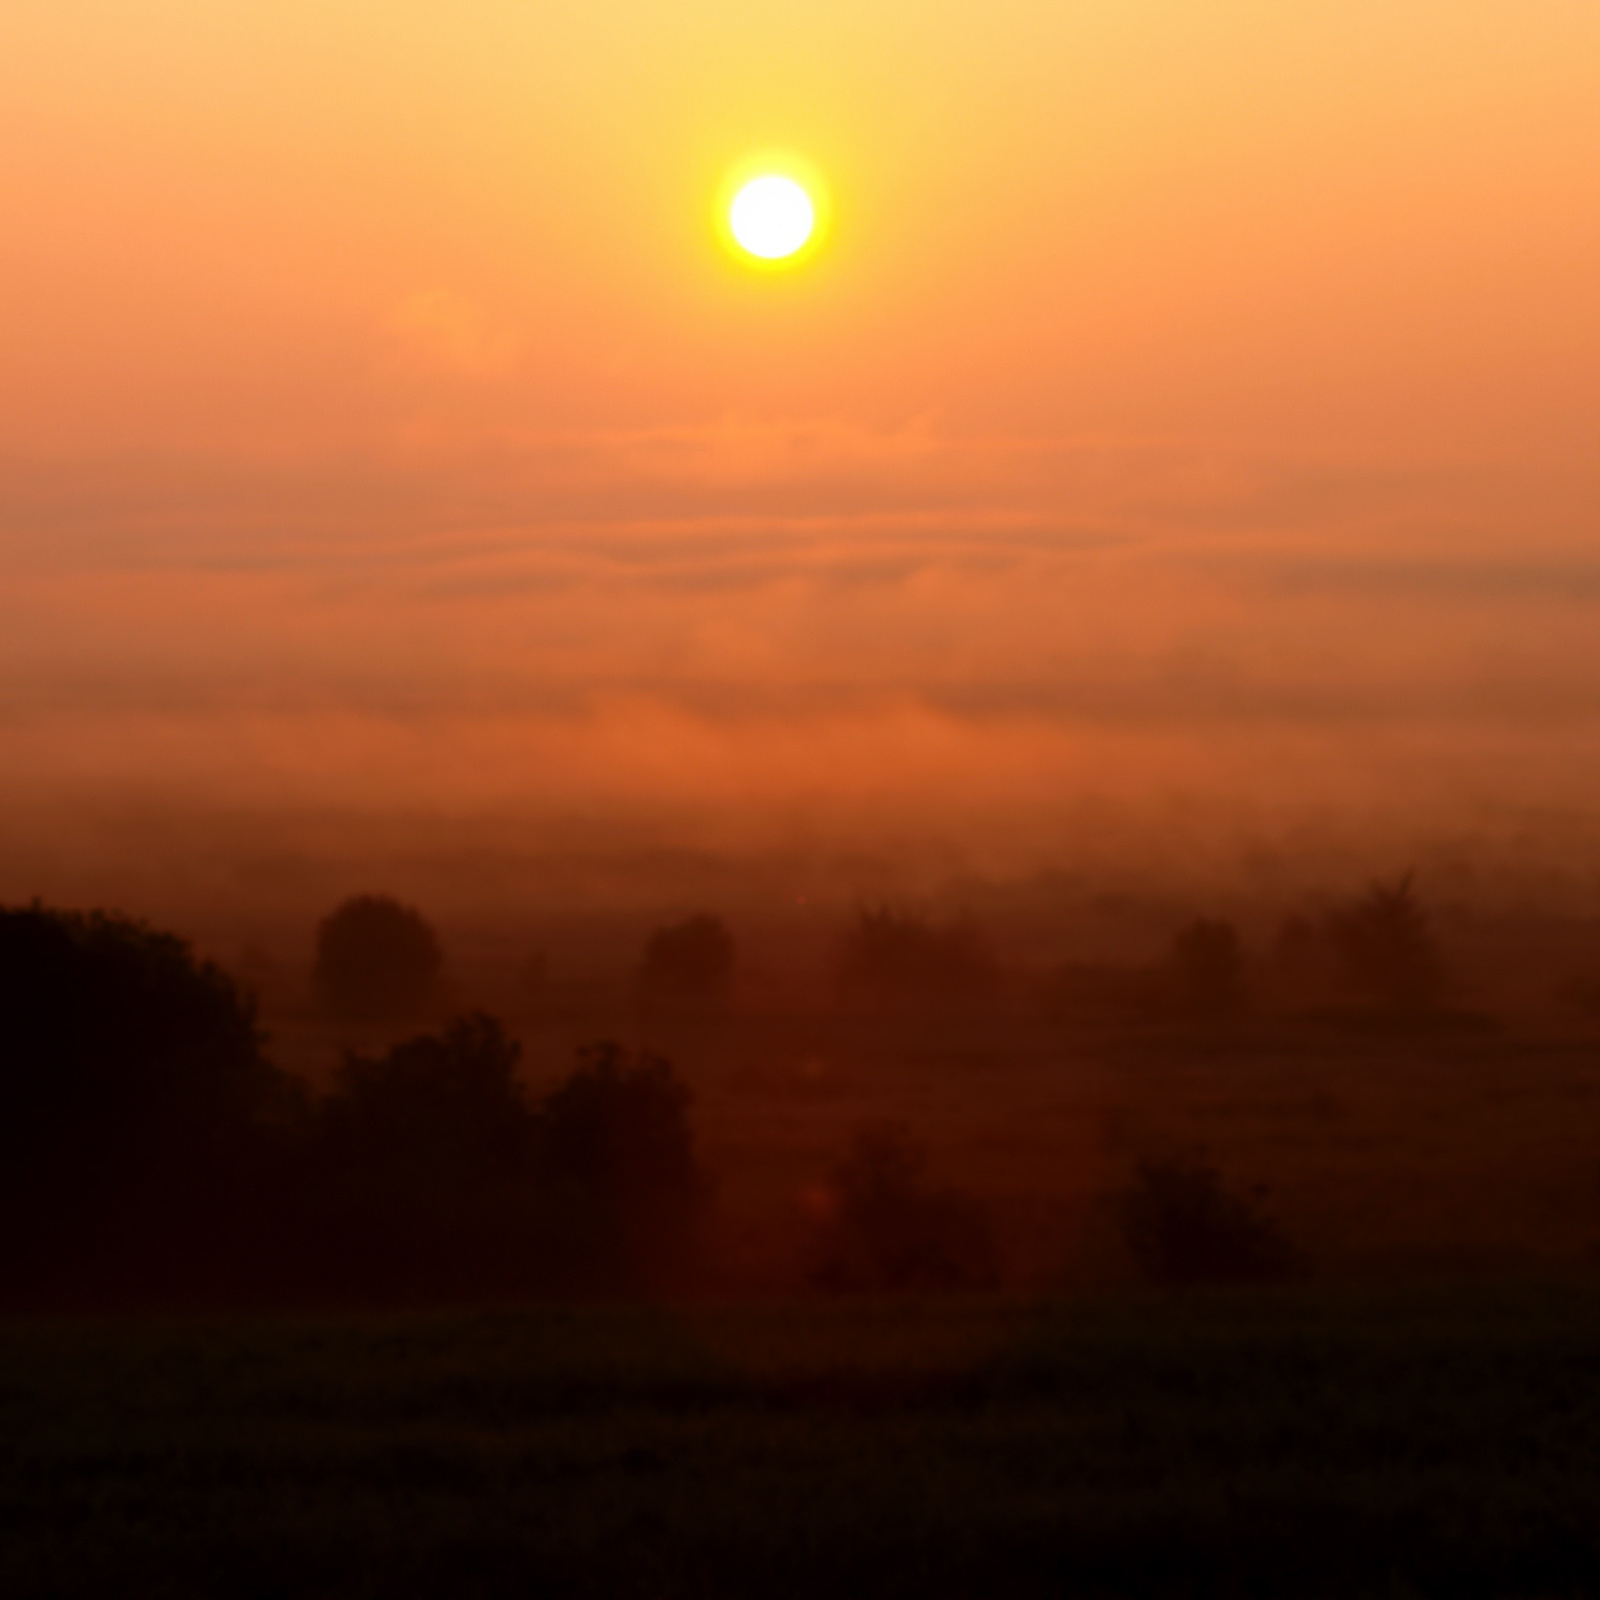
column 910, row 910
column 1182, row 463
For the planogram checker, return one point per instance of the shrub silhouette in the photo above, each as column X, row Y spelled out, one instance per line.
column 1205, row 971
column 1386, row 946
column 891, row 954
column 889, row 1230
column 616, row 1143
column 1184, row 1227
column 377, row 961
column 434, row 1177
column 691, row 960
column 136, row 1101
column 439, row 1111
column 424, row 1180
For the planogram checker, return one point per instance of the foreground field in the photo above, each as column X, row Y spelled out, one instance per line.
column 1396, row 1442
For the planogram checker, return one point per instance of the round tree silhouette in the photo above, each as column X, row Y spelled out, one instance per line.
column 377, row 961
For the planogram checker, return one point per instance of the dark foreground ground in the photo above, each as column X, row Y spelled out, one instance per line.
column 1418, row 1442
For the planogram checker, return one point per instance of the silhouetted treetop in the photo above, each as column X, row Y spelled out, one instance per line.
column 889, row 1229
column 1184, row 1226
column 621, row 1123
column 616, row 1143
column 131, row 1083
column 112, row 1030
column 439, row 1107
column 1385, row 942
column 433, row 1175
column 890, row 953
column 377, row 960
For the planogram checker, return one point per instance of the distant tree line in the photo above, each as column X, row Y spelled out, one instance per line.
column 1372, row 958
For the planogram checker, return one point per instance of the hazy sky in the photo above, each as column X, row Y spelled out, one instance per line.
column 1191, row 401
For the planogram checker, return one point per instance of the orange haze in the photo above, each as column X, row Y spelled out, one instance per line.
column 1194, row 406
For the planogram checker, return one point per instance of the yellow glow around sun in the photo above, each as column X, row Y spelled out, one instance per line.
column 772, row 217
column 773, row 210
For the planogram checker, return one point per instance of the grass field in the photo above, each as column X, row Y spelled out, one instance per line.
column 1388, row 1442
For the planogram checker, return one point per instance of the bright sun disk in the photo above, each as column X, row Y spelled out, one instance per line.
column 772, row 217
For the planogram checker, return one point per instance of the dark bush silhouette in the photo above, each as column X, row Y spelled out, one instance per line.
column 136, row 1107
column 616, row 1144
column 377, row 961
column 432, row 1177
column 890, row 1230
column 1386, row 947
column 443, row 1110
column 689, row 961
column 1204, row 971
column 895, row 955
column 1184, row 1227
column 424, row 1179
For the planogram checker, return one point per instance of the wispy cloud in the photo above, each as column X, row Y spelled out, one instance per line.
column 743, row 619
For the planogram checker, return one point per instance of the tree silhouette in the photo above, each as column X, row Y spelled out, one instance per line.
column 1184, row 1227
column 889, row 1229
column 1386, row 946
column 892, row 954
column 690, row 960
column 616, row 1143
column 134, row 1097
column 439, row 1111
column 377, row 961
column 424, row 1179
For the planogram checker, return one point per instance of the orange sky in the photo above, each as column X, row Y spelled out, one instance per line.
column 1189, row 401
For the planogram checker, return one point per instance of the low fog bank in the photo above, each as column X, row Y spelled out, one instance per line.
column 1079, row 881
column 1044, row 1059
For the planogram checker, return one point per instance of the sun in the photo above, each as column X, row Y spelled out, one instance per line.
column 773, row 210
column 772, row 217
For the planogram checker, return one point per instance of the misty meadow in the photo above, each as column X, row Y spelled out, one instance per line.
column 799, row 800
column 907, row 1267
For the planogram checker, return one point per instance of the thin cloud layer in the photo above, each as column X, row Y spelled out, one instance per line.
column 1199, row 419
column 811, row 618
